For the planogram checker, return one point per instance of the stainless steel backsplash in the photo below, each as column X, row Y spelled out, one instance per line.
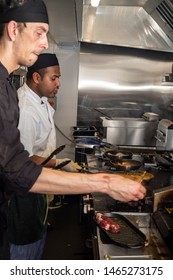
column 122, row 82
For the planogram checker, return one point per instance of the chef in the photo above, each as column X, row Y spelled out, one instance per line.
column 23, row 36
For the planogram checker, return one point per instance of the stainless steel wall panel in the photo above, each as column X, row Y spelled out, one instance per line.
column 122, row 82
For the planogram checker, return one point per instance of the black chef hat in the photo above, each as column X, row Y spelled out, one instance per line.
column 30, row 11
column 44, row 60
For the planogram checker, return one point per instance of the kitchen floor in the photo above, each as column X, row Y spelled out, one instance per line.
column 71, row 237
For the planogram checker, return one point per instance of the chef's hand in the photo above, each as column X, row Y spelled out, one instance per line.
column 70, row 167
column 124, row 189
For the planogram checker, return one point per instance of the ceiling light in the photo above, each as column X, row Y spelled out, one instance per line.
column 95, row 3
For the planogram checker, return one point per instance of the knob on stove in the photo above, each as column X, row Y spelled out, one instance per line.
column 87, row 208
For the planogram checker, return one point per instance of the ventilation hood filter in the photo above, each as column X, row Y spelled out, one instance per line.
column 162, row 12
column 139, row 24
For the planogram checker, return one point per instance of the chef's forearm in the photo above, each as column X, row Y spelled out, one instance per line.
column 60, row 182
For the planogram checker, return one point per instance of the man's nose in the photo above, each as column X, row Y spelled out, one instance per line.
column 58, row 83
column 45, row 42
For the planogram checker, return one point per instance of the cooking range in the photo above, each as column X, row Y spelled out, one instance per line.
column 152, row 216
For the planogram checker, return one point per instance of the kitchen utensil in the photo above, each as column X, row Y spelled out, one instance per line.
column 114, row 154
column 164, row 135
column 62, row 164
column 149, row 116
column 164, row 160
column 129, row 235
column 87, row 142
column 105, row 115
column 84, row 131
column 138, row 176
column 125, row 164
column 133, row 257
column 104, row 144
column 55, row 152
column 142, row 177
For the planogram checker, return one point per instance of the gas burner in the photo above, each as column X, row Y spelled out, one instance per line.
column 105, row 203
column 142, row 206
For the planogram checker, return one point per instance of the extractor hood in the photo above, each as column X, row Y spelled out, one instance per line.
column 162, row 12
column 146, row 24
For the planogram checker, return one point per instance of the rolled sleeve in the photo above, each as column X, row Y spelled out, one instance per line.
column 18, row 172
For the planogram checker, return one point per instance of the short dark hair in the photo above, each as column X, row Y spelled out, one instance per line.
column 41, row 72
column 2, row 27
column 23, row 11
column 21, row 26
column 6, row 4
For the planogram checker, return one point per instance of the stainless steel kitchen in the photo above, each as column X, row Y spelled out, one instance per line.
column 114, row 114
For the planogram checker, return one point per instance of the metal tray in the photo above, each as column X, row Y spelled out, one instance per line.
column 84, row 128
column 129, row 235
column 84, row 131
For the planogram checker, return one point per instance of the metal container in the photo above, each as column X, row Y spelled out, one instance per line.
column 84, row 131
column 130, row 131
column 165, row 135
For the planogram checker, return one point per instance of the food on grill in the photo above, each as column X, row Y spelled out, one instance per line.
column 107, row 223
column 76, row 165
column 137, row 176
column 116, row 155
column 126, row 163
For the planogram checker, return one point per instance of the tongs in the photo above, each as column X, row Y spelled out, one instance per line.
column 55, row 152
column 62, row 164
column 142, row 177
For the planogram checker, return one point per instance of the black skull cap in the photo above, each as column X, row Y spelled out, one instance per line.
column 27, row 11
column 44, row 60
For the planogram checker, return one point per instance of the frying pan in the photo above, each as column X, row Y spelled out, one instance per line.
column 114, row 155
column 164, row 160
column 125, row 164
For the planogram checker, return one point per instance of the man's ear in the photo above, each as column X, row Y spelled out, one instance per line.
column 12, row 30
column 36, row 77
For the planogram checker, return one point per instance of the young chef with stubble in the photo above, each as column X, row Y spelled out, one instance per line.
column 23, row 36
column 27, row 214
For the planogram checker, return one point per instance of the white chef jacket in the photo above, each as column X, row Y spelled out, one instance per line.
column 36, row 123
